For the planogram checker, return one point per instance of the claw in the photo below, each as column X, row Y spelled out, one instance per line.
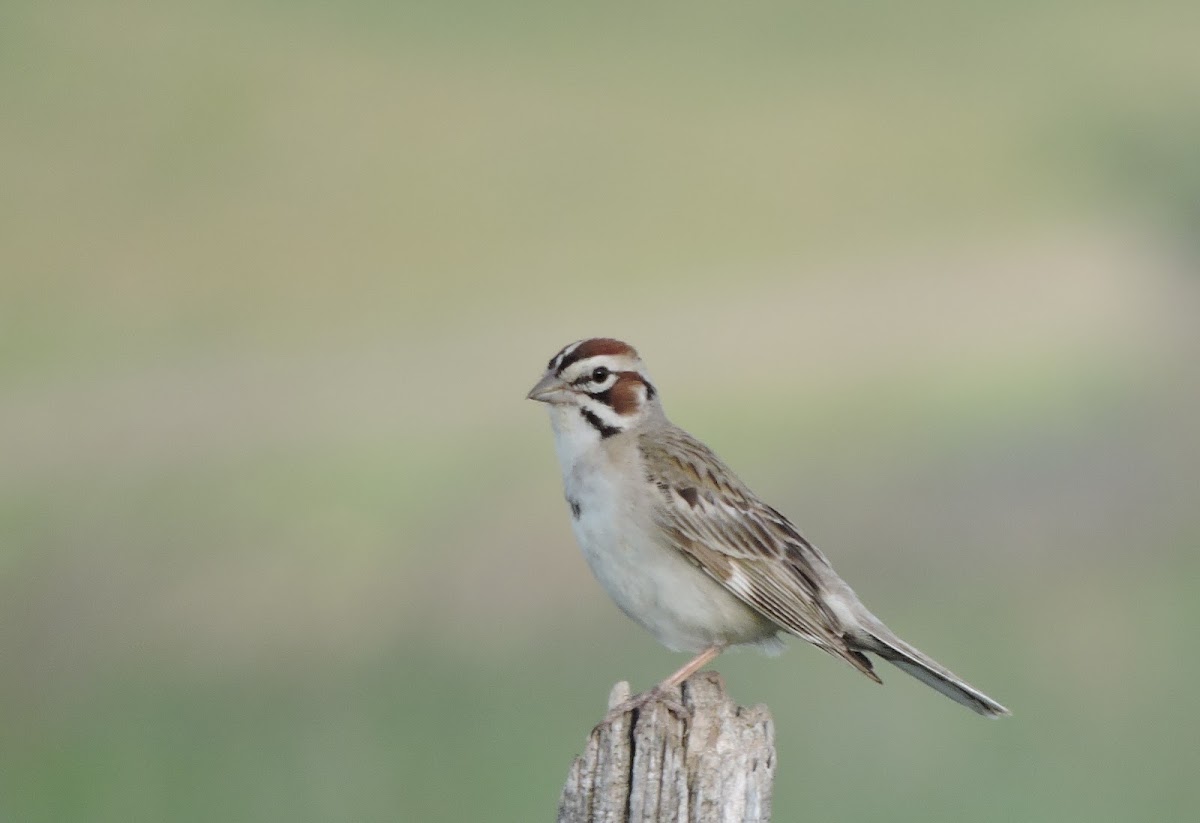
column 637, row 703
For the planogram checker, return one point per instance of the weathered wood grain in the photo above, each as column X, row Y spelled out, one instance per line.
column 652, row 765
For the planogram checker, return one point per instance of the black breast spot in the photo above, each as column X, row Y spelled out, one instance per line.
column 576, row 509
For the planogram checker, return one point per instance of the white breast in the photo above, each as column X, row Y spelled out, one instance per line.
column 684, row 608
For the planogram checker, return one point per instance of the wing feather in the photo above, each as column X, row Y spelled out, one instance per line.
column 711, row 517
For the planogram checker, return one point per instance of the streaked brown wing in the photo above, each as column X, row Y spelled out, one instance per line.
column 754, row 551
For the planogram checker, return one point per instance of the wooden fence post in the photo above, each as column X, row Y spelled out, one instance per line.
column 651, row 765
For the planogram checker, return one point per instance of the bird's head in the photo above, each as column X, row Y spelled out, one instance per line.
column 603, row 381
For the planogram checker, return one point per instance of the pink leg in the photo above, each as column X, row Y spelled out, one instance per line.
column 691, row 667
column 658, row 693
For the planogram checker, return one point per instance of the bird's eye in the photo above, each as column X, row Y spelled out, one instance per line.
column 600, row 374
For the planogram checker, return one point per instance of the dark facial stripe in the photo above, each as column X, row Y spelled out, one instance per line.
column 599, row 425
column 622, row 396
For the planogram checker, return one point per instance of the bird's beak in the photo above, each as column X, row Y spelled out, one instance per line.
column 548, row 390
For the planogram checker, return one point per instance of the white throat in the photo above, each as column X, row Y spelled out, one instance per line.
column 575, row 439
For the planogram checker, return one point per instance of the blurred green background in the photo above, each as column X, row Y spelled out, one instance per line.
column 280, row 539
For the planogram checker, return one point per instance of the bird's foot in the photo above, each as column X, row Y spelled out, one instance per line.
column 667, row 697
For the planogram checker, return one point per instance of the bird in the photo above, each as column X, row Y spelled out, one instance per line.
column 685, row 548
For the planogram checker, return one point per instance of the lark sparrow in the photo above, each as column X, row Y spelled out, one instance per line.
column 684, row 547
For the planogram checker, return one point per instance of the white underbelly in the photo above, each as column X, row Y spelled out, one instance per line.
column 684, row 608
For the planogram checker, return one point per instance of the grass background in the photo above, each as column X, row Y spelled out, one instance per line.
column 280, row 539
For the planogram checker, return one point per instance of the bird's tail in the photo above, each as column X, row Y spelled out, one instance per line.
column 900, row 654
